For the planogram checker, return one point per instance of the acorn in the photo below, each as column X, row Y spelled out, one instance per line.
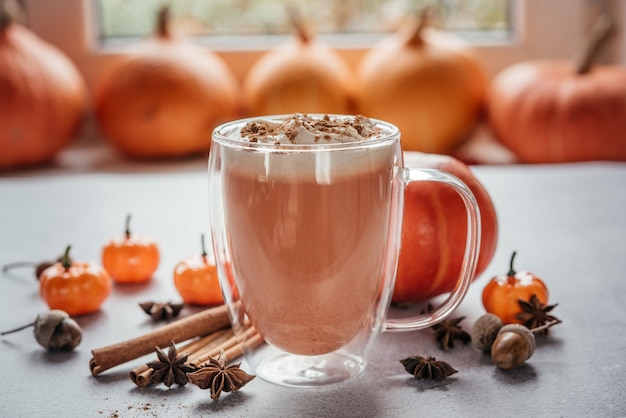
column 54, row 330
column 484, row 331
column 513, row 345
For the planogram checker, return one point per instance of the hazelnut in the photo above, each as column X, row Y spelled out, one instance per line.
column 484, row 331
column 513, row 345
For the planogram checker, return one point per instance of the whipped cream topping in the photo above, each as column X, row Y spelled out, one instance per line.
column 302, row 129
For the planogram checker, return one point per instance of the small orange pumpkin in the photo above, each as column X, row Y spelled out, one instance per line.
column 301, row 76
column 74, row 287
column 42, row 95
column 426, row 82
column 195, row 279
column 131, row 258
column 502, row 293
column 549, row 111
column 165, row 97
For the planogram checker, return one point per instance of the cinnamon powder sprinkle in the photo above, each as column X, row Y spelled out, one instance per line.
column 254, row 131
column 351, row 128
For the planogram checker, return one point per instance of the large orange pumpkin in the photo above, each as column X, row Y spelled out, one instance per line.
column 42, row 96
column 301, row 76
column 549, row 111
column 426, row 82
column 165, row 97
column 434, row 230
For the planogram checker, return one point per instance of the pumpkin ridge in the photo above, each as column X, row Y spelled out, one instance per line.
column 443, row 250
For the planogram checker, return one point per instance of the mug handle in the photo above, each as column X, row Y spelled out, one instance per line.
column 470, row 257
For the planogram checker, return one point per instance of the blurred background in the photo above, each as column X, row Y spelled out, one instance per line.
column 503, row 31
column 443, row 107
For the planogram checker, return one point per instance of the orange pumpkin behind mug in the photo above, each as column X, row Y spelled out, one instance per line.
column 426, row 82
column 301, row 76
column 42, row 95
column 434, row 229
column 550, row 111
column 164, row 97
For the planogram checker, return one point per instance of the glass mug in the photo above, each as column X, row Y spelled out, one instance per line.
column 306, row 239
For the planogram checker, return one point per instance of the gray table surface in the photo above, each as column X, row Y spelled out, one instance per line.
column 567, row 222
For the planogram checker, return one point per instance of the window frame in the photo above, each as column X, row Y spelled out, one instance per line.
column 533, row 36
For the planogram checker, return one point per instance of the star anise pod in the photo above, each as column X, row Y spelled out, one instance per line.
column 427, row 368
column 536, row 314
column 218, row 377
column 449, row 330
column 170, row 368
column 162, row 311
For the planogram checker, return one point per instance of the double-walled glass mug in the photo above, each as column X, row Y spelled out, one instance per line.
column 306, row 238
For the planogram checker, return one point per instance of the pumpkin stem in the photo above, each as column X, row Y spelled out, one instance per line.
column 416, row 27
column 302, row 31
column 512, row 271
column 163, row 23
column 66, row 261
column 127, row 228
column 11, row 12
column 204, row 253
column 602, row 30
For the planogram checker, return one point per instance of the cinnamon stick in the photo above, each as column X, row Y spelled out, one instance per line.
column 201, row 323
column 237, row 350
column 141, row 375
column 232, row 345
column 227, row 341
column 224, row 340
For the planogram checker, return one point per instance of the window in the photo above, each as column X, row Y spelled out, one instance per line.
column 538, row 29
column 263, row 17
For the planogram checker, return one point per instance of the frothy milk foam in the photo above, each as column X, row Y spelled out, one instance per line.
column 308, row 231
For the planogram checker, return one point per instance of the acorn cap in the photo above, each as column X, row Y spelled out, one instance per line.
column 46, row 324
column 485, row 330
